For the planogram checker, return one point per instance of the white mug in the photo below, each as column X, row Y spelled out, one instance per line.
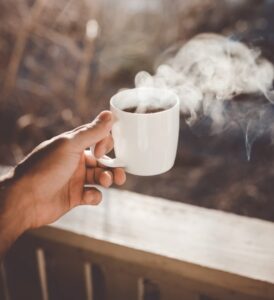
column 145, row 144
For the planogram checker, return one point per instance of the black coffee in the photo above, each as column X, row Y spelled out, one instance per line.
column 149, row 110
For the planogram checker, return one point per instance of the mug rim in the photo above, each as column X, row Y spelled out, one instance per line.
column 176, row 103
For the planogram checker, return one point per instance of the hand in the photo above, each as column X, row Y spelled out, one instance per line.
column 50, row 180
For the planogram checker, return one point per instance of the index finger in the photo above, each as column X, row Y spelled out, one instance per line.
column 103, row 147
column 90, row 160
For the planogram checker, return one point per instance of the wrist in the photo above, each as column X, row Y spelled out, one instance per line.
column 13, row 210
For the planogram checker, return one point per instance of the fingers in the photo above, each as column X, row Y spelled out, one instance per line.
column 103, row 147
column 105, row 177
column 90, row 134
column 119, row 176
column 99, row 176
column 91, row 161
column 91, row 196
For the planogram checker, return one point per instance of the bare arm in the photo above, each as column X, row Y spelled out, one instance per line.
column 50, row 180
column 11, row 220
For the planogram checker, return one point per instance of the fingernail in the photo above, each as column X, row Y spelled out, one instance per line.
column 105, row 116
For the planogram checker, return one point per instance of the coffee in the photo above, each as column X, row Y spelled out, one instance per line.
column 148, row 110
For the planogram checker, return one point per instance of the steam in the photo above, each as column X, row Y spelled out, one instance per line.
column 221, row 79
column 144, row 99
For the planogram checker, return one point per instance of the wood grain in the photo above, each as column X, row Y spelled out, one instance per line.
column 209, row 246
column 65, row 273
column 22, row 272
column 190, row 252
column 4, row 293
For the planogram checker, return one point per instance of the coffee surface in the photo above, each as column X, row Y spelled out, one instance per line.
column 149, row 110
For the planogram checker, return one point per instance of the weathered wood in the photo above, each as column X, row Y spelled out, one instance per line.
column 98, row 283
column 212, row 247
column 171, row 286
column 120, row 283
column 4, row 293
column 148, row 290
column 170, row 289
column 22, row 271
column 65, row 272
column 189, row 252
column 2, row 284
column 112, row 279
column 41, row 262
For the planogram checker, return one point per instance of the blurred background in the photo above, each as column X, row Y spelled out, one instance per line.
column 61, row 61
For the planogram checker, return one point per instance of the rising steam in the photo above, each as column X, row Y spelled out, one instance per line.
column 221, row 79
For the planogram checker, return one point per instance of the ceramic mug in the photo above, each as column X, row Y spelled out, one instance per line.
column 145, row 144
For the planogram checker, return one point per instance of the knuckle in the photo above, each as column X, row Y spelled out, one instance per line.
column 98, row 198
column 63, row 142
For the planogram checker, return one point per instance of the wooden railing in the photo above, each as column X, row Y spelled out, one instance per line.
column 135, row 247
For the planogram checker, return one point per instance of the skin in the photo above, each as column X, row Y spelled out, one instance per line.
column 50, row 180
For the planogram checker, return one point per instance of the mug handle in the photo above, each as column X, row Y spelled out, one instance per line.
column 108, row 161
column 111, row 162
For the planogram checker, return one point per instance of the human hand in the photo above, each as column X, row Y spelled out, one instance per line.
column 50, row 180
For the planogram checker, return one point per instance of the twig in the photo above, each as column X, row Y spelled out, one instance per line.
column 20, row 45
column 62, row 14
column 58, row 39
column 83, row 77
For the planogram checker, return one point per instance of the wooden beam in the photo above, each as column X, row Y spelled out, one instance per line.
column 209, row 246
column 21, row 270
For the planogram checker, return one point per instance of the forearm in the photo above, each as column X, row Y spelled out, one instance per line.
column 12, row 223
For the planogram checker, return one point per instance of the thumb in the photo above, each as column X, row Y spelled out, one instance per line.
column 90, row 134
